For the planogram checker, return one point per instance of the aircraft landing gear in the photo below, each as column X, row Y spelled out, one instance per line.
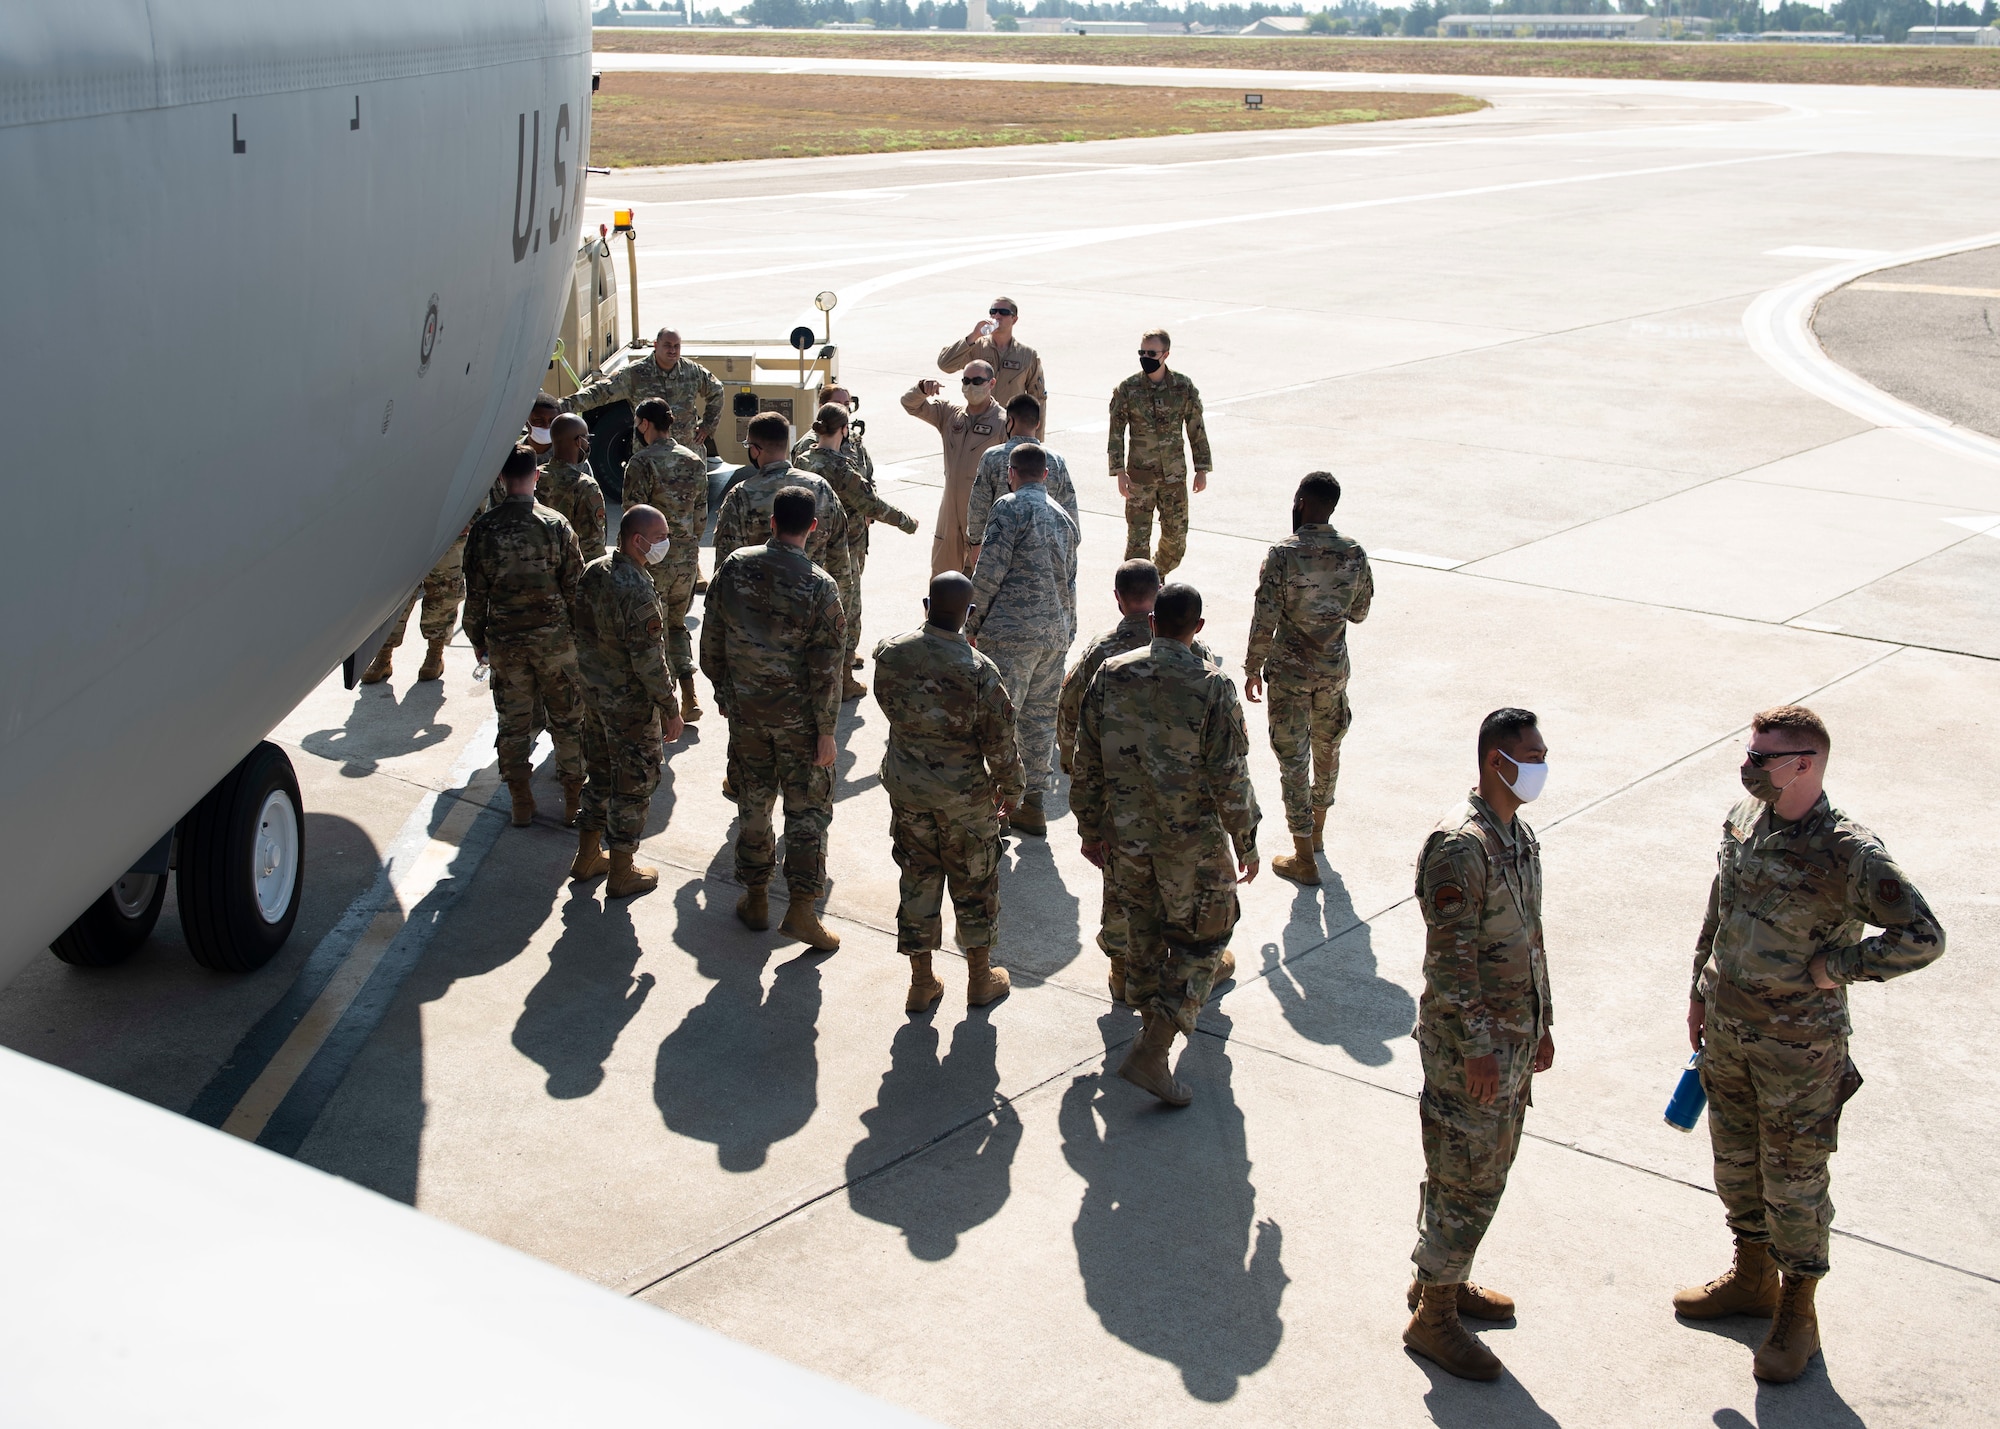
column 242, row 852
column 112, row 929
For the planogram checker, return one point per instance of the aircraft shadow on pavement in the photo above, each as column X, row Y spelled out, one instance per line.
column 572, row 1018
column 1329, row 991
column 963, row 1182
column 1174, row 1260
column 1040, row 919
column 381, row 726
column 742, row 1069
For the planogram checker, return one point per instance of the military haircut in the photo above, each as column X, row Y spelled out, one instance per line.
column 519, row 462
column 830, row 418
column 657, row 411
column 1030, row 460
column 1504, row 726
column 1177, row 611
column 1024, row 409
column 1159, row 335
column 1318, row 495
column 543, row 403
column 636, row 518
column 1137, row 579
column 950, row 597
column 1795, row 720
column 768, row 429
column 793, row 510
column 567, row 422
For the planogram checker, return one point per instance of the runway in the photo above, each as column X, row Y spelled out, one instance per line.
column 1552, row 352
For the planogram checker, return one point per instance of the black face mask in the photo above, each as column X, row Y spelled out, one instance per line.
column 1298, row 519
column 1149, row 364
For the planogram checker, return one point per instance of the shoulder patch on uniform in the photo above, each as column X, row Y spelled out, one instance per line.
column 652, row 627
column 1447, row 900
column 1889, row 890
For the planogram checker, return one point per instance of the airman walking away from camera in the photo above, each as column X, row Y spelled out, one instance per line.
column 673, row 480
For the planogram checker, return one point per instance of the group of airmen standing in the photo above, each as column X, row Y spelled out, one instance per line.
column 983, row 708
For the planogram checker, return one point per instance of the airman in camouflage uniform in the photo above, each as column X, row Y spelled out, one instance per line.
column 1482, row 1032
column 1024, row 615
column 691, row 390
column 1311, row 585
column 837, row 468
column 745, row 516
column 521, row 570
column 629, row 704
column 772, row 634
column 1162, row 795
column 441, row 591
column 1024, row 414
column 673, row 480
column 569, row 488
column 1155, row 405
column 1797, row 885
column 950, row 763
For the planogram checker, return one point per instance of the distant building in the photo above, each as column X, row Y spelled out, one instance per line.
column 976, row 17
column 1545, row 27
column 1277, row 25
column 1116, row 27
column 1952, row 35
column 611, row 15
column 1806, row 37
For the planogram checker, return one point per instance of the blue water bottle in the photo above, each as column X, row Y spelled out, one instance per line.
column 1685, row 1106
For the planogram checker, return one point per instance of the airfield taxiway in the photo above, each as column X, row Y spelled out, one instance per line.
column 1519, row 337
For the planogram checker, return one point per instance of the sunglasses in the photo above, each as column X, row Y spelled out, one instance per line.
column 1151, row 352
column 1759, row 758
column 977, row 381
column 999, row 312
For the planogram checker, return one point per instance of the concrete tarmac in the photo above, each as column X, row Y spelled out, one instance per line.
column 1518, row 338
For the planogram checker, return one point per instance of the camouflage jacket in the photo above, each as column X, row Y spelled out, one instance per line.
column 1131, row 633
column 672, row 479
column 690, row 389
column 620, row 650
column 1479, row 885
column 773, row 639
column 1310, row 587
column 856, row 492
column 1162, row 769
column 572, row 492
column 1017, row 370
column 1784, row 893
column 1156, row 412
column 745, row 517
column 853, row 448
column 1024, row 588
column 521, row 569
column 951, row 725
column 991, row 484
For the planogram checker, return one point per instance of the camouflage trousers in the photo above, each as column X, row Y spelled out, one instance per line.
column 1308, row 720
column 850, row 606
column 1774, row 1123
column 441, row 591
column 1032, row 675
column 673, row 582
column 766, row 765
column 936, row 847
column 1468, row 1150
column 1167, row 492
column 1170, row 963
column 621, row 748
column 535, row 679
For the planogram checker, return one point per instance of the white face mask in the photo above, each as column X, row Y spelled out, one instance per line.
column 1528, row 779
column 657, row 552
column 539, row 436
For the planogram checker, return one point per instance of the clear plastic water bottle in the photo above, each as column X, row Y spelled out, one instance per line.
column 481, row 669
column 988, row 328
column 1684, row 1108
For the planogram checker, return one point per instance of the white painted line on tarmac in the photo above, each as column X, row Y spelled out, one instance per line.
column 1808, row 250
column 1416, row 558
column 1817, row 625
column 1925, row 288
column 1979, row 525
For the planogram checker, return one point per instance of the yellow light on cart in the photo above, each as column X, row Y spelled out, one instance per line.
column 621, row 221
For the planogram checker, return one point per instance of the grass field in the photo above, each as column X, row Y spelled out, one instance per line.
column 1940, row 67
column 705, row 118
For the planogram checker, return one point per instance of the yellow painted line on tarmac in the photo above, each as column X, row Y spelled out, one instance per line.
column 1925, row 288
column 265, row 1095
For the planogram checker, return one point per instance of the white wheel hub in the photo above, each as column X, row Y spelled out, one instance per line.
column 132, row 894
column 274, row 856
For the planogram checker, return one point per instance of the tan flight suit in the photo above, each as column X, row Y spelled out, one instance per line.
column 966, row 436
column 1017, row 369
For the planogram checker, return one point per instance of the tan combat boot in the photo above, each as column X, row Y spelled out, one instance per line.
column 1474, row 1300
column 1749, row 1287
column 523, row 796
column 1794, row 1337
column 690, row 706
column 627, row 877
column 1028, row 817
column 1147, row 1064
column 1225, row 969
column 1301, row 866
column 701, row 585
column 572, row 788
column 1115, row 978
column 1319, row 830
column 590, row 859
column 984, row 983
column 851, row 688
column 924, row 986
column 433, row 666
column 1435, row 1333
column 802, row 922
column 380, row 667
column 856, row 663
column 753, row 909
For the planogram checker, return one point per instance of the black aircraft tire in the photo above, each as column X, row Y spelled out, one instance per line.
column 242, row 864
column 611, row 443
column 116, row 925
